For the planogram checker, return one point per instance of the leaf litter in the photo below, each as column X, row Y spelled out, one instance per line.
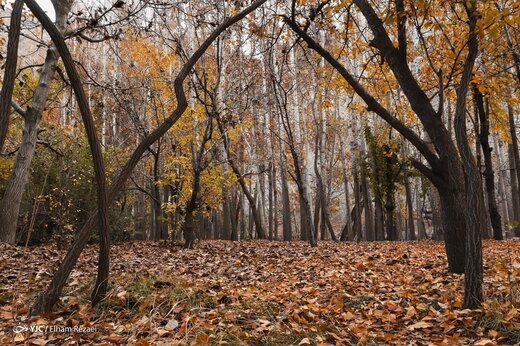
column 264, row 293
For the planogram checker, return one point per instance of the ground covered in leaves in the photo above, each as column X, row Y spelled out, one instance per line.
column 264, row 293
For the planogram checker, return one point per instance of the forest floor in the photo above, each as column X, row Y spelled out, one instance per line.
column 264, row 293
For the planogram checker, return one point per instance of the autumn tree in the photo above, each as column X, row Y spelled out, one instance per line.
column 47, row 299
column 393, row 46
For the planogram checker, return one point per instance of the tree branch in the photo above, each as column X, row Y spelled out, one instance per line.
column 372, row 104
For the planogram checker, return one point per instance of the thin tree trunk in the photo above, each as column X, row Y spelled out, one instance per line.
column 515, row 192
column 11, row 61
column 421, row 229
column 369, row 228
column 378, row 205
column 436, row 214
column 346, row 233
column 226, row 218
column 271, row 209
column 188, row 228
column 409, row 204
column 502, row 191
column 514, row 161
column 357, row 203
column 489, row 175
column 391, row 229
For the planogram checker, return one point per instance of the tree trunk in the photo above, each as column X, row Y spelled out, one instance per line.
column 409, row 204
column 489, row 175
column 514, row 161
column 515, row 190
column 357, row 203
column 502, row 190
column 286, row 206
column 391, row 229
column 421, row 229
column 139, row 212
column 436, row 214
column 452, row 218
column 378, row 205
column 188, row 228
column 473, row 274
column 234, row 213
column 346, row 233
column 6, row 94
column 369, row 228
column 226, row 219
column 157, row 223
column 15, row 188
column 321, row 195
column 271, row 210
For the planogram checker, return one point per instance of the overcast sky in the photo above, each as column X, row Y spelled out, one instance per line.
column 47, row 7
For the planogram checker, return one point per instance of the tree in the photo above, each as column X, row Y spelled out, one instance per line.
column 457, row 223
column 12, row 197
column 46, row 300
column 97, row 156
column 6, row 93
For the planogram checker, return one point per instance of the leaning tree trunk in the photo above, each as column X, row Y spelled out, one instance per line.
column 15, row 188
column 62, row 8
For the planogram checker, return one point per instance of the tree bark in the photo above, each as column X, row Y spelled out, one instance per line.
column 356, row 226
column 369, row 226
column 188, row 229
column 11, row 61
column 473, row 274
column 286, row 206
column 346, row 233
column 489, row 175
column 514, row 160
column 409, row 204
column 391, row 229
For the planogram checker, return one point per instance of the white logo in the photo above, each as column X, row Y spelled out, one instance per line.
column 20, row 329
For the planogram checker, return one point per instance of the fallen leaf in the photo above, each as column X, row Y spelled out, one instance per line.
column 172, row 324
column 419, row 325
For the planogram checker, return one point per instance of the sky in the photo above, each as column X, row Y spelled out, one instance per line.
column 46, row 5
